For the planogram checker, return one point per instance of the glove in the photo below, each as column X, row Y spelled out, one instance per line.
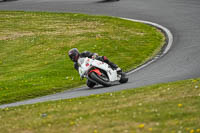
column 94, row 56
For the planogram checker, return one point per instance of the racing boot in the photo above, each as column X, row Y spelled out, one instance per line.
column 115, row 67
column 112, row 65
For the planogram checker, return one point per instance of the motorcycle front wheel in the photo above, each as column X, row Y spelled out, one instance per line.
column 100, row 79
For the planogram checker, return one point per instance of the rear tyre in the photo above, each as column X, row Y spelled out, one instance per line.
column 123, row 79
column 100, row 80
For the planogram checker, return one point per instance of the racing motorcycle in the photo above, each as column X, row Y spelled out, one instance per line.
column 98, row 72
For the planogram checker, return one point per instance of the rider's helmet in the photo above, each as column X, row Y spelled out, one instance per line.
column 73, row 54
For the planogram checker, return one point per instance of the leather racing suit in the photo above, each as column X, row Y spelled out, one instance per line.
column 94, row 55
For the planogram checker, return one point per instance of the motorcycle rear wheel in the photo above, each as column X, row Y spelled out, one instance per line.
column 123, row 79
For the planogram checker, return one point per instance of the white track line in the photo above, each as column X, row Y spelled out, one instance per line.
column 169, row 36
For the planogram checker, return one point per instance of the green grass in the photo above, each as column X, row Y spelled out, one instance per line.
column 167, row 108
column 33, row 48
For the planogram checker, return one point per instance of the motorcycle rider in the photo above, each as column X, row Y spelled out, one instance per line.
column 74, row 55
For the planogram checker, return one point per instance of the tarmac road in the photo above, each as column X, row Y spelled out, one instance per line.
column 181, row 17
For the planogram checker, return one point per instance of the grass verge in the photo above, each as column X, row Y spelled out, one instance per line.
column 168, row 108
column 33, row 47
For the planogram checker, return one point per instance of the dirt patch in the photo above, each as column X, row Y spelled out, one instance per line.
column 14, row 35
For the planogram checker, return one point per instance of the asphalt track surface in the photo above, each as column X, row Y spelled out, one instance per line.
column 181, row 17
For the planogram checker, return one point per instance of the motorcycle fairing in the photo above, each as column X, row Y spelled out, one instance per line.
column 83, row 62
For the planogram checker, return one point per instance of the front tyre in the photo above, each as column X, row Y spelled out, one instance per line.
column 90, row 84
column 99, row 79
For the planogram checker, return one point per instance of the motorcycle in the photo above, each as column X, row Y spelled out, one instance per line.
column 98, row 72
